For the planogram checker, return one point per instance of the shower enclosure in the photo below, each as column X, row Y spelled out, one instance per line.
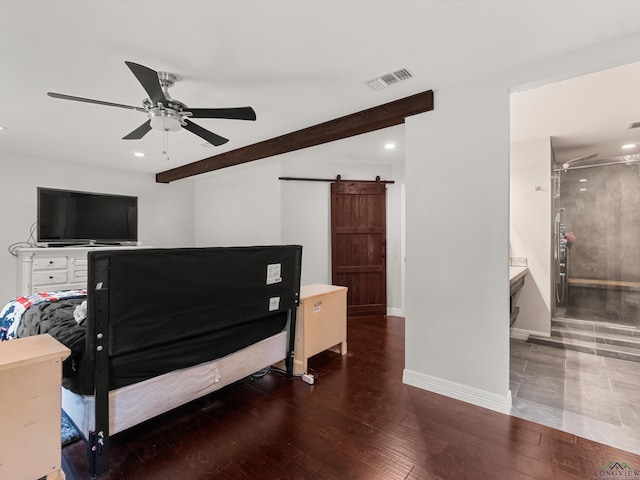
column 596, row 240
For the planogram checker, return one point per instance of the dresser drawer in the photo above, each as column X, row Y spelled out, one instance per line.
column 81, row 264
column 79, row 276
column 78, row 270
column 51, row 263
column 49, row 278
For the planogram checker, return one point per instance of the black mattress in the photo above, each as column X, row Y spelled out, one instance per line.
column 158, row 310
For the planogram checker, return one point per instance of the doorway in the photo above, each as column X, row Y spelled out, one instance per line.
column 574, row 201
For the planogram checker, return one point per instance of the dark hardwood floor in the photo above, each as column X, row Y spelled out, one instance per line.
column 358, row 421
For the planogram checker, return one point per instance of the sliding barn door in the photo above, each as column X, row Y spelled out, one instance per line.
column 358, row 245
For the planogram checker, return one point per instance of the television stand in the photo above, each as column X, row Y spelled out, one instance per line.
column 56, row 268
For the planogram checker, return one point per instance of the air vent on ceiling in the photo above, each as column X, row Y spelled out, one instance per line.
column 633, row 125
column 384, row 80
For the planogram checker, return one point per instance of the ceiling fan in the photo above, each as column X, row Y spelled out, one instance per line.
column 163, row 112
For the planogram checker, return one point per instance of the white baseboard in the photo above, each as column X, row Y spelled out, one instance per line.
column 481, row 398
column 522, row 334
column 395, row 312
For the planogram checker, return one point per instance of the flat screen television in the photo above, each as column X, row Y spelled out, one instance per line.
column 67, row 217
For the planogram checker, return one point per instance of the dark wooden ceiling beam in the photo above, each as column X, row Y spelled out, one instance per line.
column 365, row 121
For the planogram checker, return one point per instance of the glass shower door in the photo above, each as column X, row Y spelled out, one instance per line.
column 596, row 242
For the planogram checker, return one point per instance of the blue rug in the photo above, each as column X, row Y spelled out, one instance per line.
column 69, row 431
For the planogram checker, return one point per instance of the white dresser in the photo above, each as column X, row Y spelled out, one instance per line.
column 54, row 268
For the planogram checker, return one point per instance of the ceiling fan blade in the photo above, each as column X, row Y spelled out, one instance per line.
column 139, row 132
column 210, row 137
column 62, row 96
column 150, row 82
column 240, row 113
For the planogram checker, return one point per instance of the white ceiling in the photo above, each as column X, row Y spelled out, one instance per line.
column 584, row 115
column 297, row 63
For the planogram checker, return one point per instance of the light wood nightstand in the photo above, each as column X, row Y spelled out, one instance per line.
column 30, row 374
column 321, row 323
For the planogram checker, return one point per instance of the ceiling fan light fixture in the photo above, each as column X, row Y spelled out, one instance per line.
column 163, row 112
column 165, row 120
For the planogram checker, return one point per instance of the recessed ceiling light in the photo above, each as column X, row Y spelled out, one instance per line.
column 583, row 189
column 582, row 180
column 390, row 146
column 2, row 128
column 138, row 154
column 629, row 145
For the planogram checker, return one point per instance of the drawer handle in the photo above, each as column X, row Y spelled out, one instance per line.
column 50, row 277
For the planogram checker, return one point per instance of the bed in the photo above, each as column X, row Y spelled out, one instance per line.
column 167, row 326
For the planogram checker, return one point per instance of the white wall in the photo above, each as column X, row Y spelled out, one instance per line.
column 530, row 231
column 249, row 205
column 306, row 216
column 395, row 241
column 457, row 196
column 165, row 212
column 239, row 206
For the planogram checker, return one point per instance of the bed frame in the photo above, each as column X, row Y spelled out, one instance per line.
column 168, row 326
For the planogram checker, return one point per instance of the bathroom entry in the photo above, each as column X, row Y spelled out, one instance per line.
column 596, row 239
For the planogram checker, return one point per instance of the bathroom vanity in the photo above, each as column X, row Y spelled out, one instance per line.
column 516, row 281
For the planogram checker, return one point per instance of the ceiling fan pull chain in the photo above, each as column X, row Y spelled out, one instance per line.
column 165, row 145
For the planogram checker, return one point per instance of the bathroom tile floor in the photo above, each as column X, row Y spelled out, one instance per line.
column 590, row 396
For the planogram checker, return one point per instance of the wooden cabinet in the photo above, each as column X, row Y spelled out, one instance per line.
column 54, row 268
column 321, row 323
column 30, row 374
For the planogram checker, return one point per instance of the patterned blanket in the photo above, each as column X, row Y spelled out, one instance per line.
column 12, row 313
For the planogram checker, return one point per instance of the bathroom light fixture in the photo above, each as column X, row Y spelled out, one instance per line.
column 582, row 180
column 138, row 154
column 390, row 146
column 628, row 146
column 583, row 189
